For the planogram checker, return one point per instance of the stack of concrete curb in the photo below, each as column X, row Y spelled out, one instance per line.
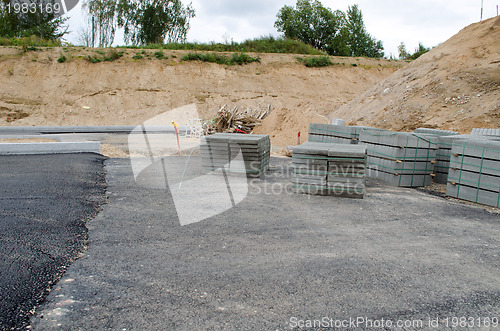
column 475, row 172
column 400, row 159
column 339, row 134
column 236, row 154
column 327, row 169
column 441, row 168
column 123, row 129
column 436, row 132
column 486, row 132
column 50, row 148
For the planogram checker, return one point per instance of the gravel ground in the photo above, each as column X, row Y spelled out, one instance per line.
column 44, row 203
column 277, row 260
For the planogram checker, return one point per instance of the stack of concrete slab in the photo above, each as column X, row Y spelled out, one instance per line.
column 436, row 132
column 475, row 172
column 236, row 154
column 339, row 134
column 400, row 159
column 486, row 132
column 441, row 168
column 329, row 169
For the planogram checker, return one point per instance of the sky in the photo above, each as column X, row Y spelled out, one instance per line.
column 392, row 21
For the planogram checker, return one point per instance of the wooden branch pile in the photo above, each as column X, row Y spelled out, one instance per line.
column 238, row 121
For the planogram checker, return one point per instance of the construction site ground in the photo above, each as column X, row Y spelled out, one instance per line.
column 274, row 260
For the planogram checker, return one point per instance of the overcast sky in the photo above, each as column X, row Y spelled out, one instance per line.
column 392, row 21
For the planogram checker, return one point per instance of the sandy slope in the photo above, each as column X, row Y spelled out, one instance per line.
column 37, row 90
column 455, row 86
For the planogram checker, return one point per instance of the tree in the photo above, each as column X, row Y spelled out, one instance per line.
column 360, row 42
column 403, row 53
column 419, row 51
column 332, row 31
column 154, row 21
column 20, row 18
column 313, row 24
column 102, row 21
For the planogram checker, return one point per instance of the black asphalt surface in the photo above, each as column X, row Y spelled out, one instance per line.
column 44, row 204
column 279, row 261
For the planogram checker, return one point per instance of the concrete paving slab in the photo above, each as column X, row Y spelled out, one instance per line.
column 405, row 180
column 441, row 178
column 331, row 140
column 436, row 132
column 397, row 153
column 475, row 164
column 320, row 182
column 479, row 148
column 485, row 132
column 332, row 180
column 49, row 148
column 400, row 167
column 482, row 181
column 348, row 151
column 473, row 194
column 399, row 139
column 309, row 162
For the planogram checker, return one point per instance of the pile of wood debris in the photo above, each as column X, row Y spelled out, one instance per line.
column 239, row 121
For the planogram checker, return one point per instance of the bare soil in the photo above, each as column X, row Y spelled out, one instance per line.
column 35, row 89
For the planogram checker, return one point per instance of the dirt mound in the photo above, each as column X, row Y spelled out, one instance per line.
column 35, row 89
column 454, row 87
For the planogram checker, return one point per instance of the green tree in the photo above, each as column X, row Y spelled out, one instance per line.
column 154, row 21
column 46, row 24
column 313, row 24
column 359, row 41
column 403, row 53
column 335, row 32
column 419, row 51
column 102, row 21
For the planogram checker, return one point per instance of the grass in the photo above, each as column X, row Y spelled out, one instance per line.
column 316, row 62
column 93, row 59
column 32, row 41
column 235, row 58
column 113, row 55
column 138, row 56
column 159, row 55
column 109, row 56
column 259, row 45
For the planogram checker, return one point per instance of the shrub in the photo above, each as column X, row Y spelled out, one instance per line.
column 61, row 59
column 242, row 58
column 267, row 44
column 138, row 56
column 93, row 59
column 159, row 55
column 321, row 61
column 29, row 41
column 236, row 58
column 113, row 55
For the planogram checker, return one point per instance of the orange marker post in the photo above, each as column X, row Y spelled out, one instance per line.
column 176, row 127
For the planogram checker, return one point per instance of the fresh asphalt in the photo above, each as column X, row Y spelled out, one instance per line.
column 44, row 203
column 276, row 261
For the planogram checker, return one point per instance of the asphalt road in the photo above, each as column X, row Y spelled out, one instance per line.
column 44, row 203
column 278, row 260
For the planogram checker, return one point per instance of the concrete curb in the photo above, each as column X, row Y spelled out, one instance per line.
column 124, row 129
column 49, row 148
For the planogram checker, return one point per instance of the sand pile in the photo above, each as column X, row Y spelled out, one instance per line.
column 453, row 87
